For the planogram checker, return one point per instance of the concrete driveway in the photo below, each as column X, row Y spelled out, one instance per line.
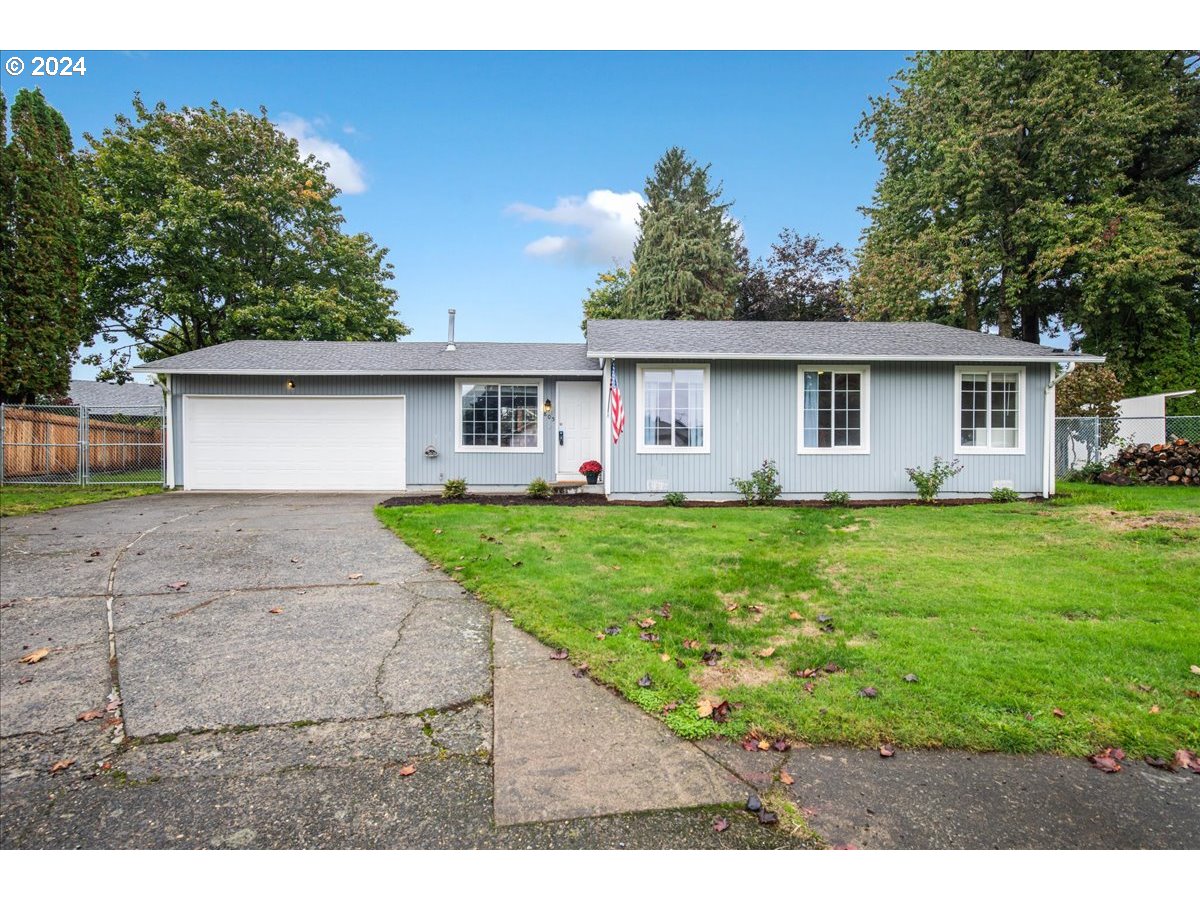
column 258, row 671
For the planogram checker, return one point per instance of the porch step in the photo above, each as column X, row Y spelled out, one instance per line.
column 568, row 487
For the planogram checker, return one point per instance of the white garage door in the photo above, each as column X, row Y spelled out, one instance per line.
column 293, row 443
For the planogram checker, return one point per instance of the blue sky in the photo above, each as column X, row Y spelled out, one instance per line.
column 500, row 182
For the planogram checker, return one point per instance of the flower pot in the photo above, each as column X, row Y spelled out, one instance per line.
column 592, row 477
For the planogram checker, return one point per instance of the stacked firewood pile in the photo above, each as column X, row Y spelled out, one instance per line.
column 1175, row 462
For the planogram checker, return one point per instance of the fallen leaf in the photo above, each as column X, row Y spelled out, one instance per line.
column 1108, row 760
column 766, row 651
column 731, row 607
column 665, row 657
column 408, row 770
column 177, row 585
column 1058, row 713
column 645, row 681
column 810, row 686
column 805, row 673
column 613, row 629
column 437, row 531
column 356, row 575
column 649, row 636
column 36, row 656
column 1154, row 710
column 690, row 644
column 112, row 705
column 721, row 712
column 1144, row 688
column 88, row 714
column 720, row 824
column 911, row 678
column 1195, row 695
column 1157, row 762
column 646, row 623
column 275, row 610
column 764, row 745
column 869, row 692
column 754, row 608
column 61, row 766
column 580, row 672
column 794, row 615
column 781, row 746
column 766, row 817
column 703, row 709
column 753, row 803
column 823, row 617
column 670, row 707
column 1186, row 759
column 1196, row 670
column 600, row 635
column 786, row 778
column 831, row 667
column 560, row 653
column 750, row 745
column 712, row 657
column 887, row 750
column 665, row 610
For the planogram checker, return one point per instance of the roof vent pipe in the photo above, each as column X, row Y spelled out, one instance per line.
column 450, row 336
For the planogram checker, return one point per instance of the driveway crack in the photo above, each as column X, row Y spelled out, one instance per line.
column 387, row 655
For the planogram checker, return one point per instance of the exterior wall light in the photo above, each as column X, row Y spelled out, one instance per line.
column 291, row 385
column 547, row 407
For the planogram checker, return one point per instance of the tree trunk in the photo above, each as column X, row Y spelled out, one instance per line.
column 1004, row 314
column 1030, row 333
column 970, row 303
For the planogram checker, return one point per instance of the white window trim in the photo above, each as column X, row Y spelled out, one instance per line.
column 864, row 446
column 642, row 446
column 459, row 447
column 1018, row 450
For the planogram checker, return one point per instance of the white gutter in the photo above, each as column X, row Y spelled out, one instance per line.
column 279, row 373
column 849, row 357
column 1048, row 436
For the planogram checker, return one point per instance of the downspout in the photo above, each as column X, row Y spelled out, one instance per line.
column 169, row 431
column 1048, row 437
column 605, row 427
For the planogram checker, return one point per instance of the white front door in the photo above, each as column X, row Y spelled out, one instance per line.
column 578, row 426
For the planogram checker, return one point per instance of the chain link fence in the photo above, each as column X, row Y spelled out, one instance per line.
column 1079, row 440
column 82, row 445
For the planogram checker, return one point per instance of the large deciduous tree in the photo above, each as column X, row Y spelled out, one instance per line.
column 802, row 280
column 206, row 225
column 1037, row 191
column 685, row 262
column 40, row 256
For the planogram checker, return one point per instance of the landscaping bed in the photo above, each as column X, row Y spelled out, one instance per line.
column 1066, row 626
column 600, row 500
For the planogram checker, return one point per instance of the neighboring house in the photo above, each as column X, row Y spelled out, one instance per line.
column 103, row 396
column 839, row 406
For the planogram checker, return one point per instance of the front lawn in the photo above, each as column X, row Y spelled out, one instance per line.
column 1004, row 613
column 21, row 499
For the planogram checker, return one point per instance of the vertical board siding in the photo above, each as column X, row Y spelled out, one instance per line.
column 431, row 411
column 754, row 416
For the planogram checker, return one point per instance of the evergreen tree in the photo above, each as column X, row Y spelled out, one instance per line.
column 41, row 321
column 206, row 225
column 685, row 260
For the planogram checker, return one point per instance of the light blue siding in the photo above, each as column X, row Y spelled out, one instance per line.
column 430, row 410
column 754, row 417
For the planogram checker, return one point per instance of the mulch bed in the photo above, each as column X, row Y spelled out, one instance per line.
column 599, row 500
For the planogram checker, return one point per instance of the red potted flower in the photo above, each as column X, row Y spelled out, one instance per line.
column 591, row 470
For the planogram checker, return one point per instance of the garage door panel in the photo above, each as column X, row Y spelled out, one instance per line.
column 294, row 443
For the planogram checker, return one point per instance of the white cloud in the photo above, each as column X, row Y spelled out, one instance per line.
column 601, row 227
column 344, row 170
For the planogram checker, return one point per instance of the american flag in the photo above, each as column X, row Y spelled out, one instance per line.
column 615, row 406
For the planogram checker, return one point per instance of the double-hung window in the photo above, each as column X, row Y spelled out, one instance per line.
column 834, row 412
column 673, row 404
column 989, row 414
column 499, row 415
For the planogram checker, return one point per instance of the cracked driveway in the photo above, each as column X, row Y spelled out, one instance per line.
column 278, row 659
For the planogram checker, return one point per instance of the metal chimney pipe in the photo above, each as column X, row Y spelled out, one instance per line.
column 450, row 336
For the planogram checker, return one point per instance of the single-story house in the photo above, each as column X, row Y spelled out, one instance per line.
column 844, row 406
column 103, row 396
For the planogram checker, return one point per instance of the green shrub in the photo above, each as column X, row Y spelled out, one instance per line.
column 1005, row 495
column 1088, row 472
column 837, row 498
column 929, row 483
column 674, row 498
column 455, row 489
column 762, row 487
column 538, row 488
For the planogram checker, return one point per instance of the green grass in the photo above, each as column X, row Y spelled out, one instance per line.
column 22, row 499
column 1004, row 612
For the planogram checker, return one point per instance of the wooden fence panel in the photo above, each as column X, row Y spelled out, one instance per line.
column 40, row 443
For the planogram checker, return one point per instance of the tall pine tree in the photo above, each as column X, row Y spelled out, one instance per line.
column 685, row 262
column 41, row 320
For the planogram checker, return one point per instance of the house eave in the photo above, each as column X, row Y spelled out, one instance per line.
column 521, row 373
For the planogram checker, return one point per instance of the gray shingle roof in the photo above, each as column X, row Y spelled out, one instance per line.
column 365, row 357
column 120, row 396
column 809, row 340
